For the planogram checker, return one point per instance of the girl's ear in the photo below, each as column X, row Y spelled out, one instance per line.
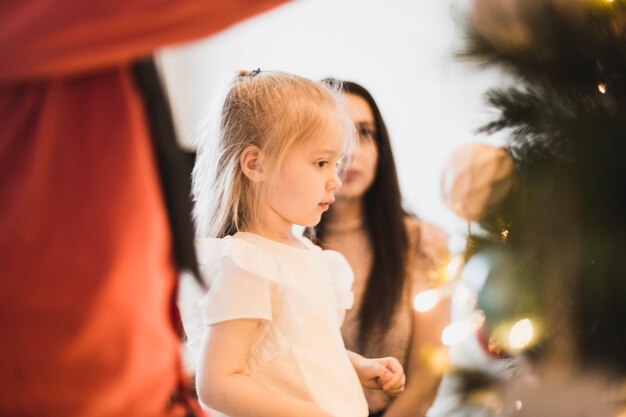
column 251, row 163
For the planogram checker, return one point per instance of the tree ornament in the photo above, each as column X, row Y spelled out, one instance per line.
column 477, row 178
column 508, row 299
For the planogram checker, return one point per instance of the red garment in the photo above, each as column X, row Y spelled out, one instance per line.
column 86, row 266
column 56, row 37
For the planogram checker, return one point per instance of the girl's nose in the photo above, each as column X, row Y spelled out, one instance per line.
column 335, row 182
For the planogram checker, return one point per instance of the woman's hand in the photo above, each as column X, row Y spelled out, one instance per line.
column 385, row 374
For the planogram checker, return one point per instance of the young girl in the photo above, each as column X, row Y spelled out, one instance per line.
column 392, row 255
column 270, row 342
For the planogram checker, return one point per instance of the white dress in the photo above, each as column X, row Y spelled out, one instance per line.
column 300, row 295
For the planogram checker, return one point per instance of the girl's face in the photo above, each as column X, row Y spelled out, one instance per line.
column 305, row 184
column 361, row 171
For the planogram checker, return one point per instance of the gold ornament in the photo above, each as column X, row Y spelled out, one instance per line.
column 476, row 180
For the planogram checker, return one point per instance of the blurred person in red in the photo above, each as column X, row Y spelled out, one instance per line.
column 94, row 224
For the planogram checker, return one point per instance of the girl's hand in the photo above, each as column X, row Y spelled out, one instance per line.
column 380, row 373
column 393, row 380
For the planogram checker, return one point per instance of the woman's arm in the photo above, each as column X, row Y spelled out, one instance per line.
column 423, row 373
column 223, row 385
column 423, row 376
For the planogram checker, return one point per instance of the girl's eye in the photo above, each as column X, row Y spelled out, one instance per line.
column 322, row 164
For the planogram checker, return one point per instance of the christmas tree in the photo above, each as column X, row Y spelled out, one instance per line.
column 556, row 243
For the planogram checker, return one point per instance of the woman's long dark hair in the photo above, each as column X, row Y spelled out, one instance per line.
column 384, row 222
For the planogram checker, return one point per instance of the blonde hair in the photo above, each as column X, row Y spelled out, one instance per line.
column 272, row 110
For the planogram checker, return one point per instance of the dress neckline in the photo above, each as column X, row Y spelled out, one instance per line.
column 307, row 245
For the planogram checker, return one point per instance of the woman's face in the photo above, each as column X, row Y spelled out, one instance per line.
column 360, row 172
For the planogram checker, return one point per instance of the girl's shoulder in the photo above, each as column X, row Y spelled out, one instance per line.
column 215, row 253
column 267, row 258
column 256, row 253
column 211, row 249
column 335, row 261
column 339, row 272
column 244, row 279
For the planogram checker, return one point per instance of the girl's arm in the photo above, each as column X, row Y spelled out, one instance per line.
column 423, row 377
column 222, row 384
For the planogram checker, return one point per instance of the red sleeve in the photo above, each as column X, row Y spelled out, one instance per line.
column 60, row 37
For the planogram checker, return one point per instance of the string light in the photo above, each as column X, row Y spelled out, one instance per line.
column 602, row 86
column 457, row 332
column 504, row 234
column 521, row 334
column 439, row 362
column 426, row 300
column 436, row 358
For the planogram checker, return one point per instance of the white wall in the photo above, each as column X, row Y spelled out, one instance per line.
column 401, row 50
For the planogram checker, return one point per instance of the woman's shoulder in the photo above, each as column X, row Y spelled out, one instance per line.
column 427, row 234
column 428, row 243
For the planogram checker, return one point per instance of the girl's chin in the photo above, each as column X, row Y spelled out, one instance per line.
column 312, row 222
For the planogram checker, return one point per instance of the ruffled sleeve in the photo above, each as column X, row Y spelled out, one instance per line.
column 239, row 282
column 342, row 279
column 244, row 283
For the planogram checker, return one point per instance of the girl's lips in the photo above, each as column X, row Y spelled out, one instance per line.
column 326, row 204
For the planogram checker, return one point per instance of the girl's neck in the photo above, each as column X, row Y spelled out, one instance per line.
column 283, row 236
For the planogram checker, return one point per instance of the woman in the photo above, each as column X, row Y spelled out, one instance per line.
column 393, row 255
